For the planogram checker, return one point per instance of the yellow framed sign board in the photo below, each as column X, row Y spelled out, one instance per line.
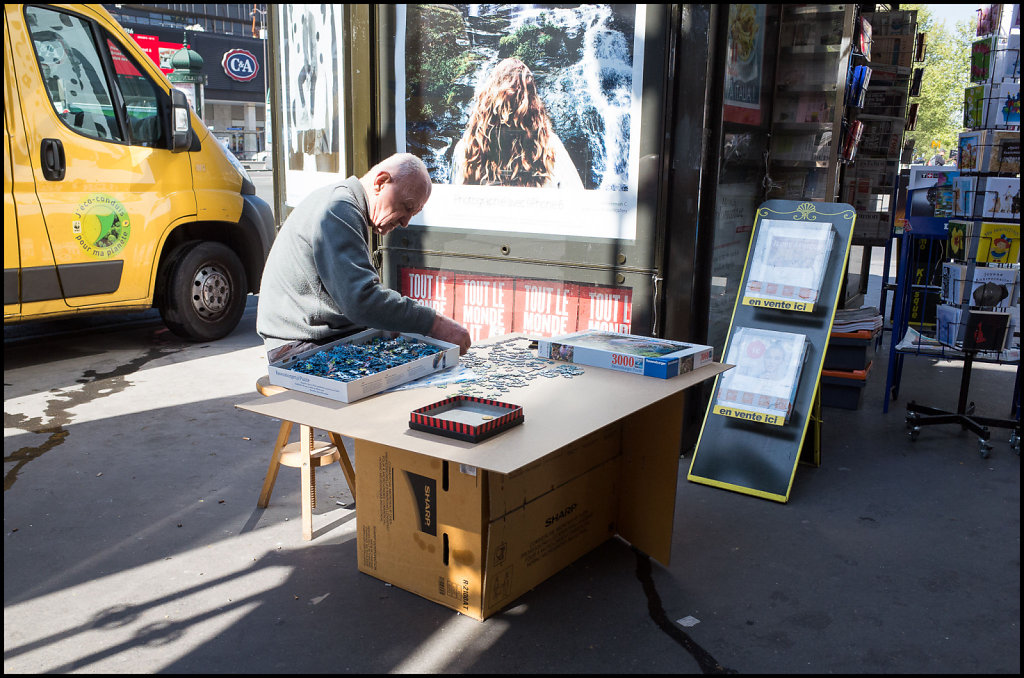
column 762, row 409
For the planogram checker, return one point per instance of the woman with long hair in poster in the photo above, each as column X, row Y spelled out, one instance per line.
column 509, row 140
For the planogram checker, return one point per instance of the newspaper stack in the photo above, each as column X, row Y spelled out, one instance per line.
column 855, row 320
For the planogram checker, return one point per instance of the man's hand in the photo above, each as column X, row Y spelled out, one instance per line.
column 446, row 329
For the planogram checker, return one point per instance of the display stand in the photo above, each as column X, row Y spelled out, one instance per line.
column 750, row 452
column 963, row 224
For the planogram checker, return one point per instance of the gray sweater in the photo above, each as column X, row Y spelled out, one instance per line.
column 319, row 282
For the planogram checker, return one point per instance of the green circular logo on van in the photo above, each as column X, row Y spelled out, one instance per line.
column 101, row 226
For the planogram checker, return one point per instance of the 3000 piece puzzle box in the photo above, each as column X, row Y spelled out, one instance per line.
column 649, row 356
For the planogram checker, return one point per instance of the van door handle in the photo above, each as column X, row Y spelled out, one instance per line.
column 51, row 154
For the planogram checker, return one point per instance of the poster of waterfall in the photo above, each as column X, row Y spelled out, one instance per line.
column 527, row 116
column 310, row 63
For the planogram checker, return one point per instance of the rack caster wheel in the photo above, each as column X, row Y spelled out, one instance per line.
column 984, row 448
column 1015, row 442
column 914, row 432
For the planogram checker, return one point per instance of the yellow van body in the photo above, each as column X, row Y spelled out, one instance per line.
column 116, row 196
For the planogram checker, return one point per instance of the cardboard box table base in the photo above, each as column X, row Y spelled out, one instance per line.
column 474, row 525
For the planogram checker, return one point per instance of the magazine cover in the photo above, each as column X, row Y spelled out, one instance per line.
column 766, row 373
column 649, row 356
column 789, row 260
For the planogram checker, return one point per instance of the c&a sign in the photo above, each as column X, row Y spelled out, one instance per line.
column 240, row 65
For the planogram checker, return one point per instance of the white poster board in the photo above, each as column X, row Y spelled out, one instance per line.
column 310, row 61
column 587, row 65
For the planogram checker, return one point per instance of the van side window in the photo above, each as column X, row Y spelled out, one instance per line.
column 142, row 102
column 72, row 72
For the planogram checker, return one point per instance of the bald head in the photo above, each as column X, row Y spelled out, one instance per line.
column 402, row 167
column 397, row 188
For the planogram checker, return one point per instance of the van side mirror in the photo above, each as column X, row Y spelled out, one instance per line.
column 181, row 127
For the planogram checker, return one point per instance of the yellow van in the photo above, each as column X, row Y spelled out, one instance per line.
column 116, row 197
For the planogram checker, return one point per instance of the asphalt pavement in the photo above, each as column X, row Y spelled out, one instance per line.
column 133, row 543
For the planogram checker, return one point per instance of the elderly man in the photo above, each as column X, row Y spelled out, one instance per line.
column 319, row 284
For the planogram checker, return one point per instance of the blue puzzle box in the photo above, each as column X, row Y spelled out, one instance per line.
column 632, row 353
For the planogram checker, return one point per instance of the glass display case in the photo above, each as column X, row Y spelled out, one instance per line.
column 814, row 53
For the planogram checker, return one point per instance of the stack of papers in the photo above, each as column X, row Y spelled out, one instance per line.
column 854, row 320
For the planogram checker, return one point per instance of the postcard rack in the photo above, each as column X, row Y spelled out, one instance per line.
column 964, row 224
column 753, row 447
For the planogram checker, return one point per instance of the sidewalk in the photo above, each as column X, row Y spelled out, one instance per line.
column 133, row 543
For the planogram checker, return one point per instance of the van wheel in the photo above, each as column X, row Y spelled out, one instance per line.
column 205, row 293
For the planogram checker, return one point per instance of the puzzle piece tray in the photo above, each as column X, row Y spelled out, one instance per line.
column 466, row 418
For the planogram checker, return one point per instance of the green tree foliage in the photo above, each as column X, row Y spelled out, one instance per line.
column 946, row 74
column 531, row 43
column 435, row 35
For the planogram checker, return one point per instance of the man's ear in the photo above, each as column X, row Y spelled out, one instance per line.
column 382, row 178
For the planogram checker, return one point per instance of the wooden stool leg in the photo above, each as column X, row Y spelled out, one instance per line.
column 306, row 443
column 346, row 463
column 275, row 464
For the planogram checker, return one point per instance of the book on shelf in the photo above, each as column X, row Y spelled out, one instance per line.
column 788, row 261
column 647, row 356
column 766, row 375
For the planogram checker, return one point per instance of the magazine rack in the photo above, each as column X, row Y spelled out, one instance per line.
column 753, row 455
